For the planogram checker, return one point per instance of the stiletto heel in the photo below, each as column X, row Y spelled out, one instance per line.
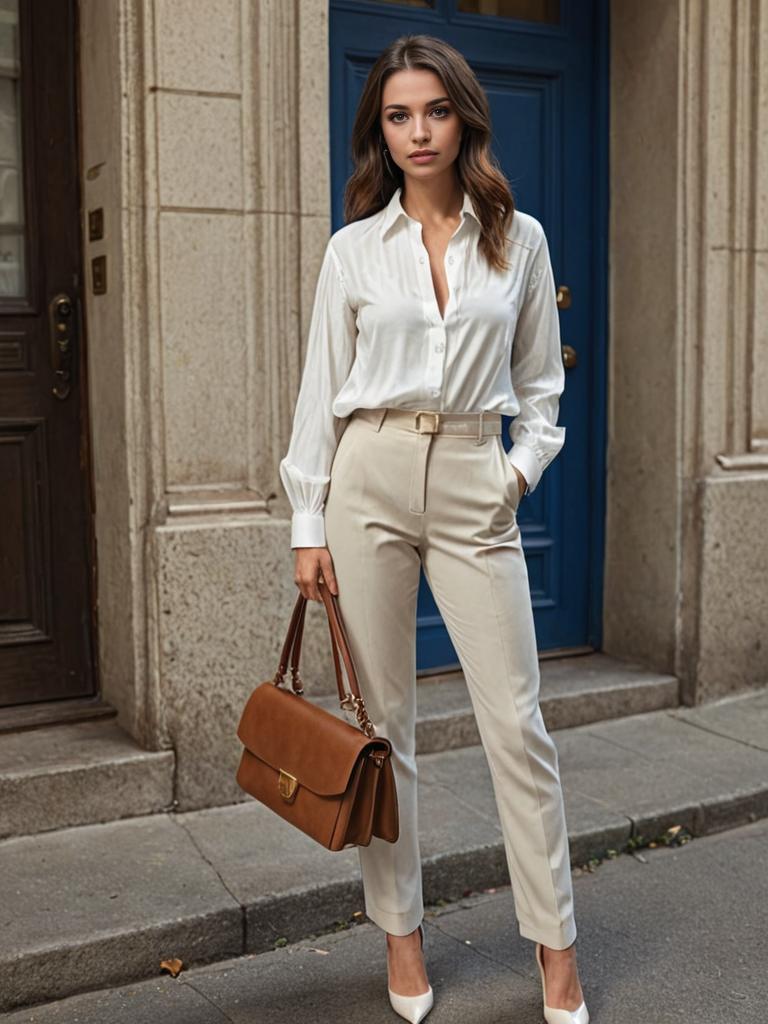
column 413, row 1008
column 555, row 1014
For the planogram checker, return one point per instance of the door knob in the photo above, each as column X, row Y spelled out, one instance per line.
column 569, row 356
column 563, row 302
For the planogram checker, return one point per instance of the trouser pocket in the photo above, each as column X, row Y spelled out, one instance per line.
column 510, row 481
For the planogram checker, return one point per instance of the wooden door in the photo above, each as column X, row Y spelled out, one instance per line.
column 46, row 546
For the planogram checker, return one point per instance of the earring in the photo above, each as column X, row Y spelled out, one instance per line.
column 385, row 152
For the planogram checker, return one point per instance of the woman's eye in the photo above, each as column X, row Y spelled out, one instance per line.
column 446, row 112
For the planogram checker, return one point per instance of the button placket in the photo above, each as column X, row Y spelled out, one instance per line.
column 435, row 360
column 420, row 253
column 440, row 332
column 436, row 325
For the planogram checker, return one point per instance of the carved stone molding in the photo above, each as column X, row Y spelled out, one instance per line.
column 724, row 251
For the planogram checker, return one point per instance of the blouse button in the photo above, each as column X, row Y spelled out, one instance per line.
column 439, row 347
column 450, row 259
column 421, row 259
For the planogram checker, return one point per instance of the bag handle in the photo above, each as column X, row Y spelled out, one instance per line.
column 297, row 619
column 339, row 642
column 292, row 645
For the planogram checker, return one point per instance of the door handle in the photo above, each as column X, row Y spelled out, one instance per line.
column 569, row 356
column 61, row 319
column 563, row 302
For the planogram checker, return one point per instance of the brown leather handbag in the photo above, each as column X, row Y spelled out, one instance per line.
column 329, row 778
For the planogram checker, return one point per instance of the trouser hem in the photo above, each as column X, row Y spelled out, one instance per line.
column 396, row 923
column 555, row 938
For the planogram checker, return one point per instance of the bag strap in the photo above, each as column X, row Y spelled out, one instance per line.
column 349, row 701
column 339, row 643
column 296, row 623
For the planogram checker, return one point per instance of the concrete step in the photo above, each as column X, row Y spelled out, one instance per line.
column 99, row 905
column 89, row 772
column 79, row 773
column 574, row 691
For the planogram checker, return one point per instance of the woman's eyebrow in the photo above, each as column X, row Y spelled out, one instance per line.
column 429, row 103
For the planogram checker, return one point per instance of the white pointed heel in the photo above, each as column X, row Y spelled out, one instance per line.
column 555, row 1014
column 413, row 1008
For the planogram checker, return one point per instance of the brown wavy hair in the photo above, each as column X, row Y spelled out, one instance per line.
column 371, row 185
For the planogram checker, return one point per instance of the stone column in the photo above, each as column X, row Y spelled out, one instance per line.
column 723, row 347
column 687, row 537
column 221, row 200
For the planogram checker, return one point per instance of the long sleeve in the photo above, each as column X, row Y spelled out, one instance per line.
column 537, row 373
column 305, row 470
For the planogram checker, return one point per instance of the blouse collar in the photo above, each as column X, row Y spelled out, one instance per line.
column 393, row 211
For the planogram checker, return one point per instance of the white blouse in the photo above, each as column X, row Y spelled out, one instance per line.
column 376, row 338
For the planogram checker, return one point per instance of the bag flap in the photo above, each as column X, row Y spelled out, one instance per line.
column 291, row 733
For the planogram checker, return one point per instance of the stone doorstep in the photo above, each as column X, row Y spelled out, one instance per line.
column 79, row 773
column 101, row 905
column 574, row 691
column 82, row 773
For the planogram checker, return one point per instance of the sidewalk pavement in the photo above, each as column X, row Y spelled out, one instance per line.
column 676, row 936
column 102, row 905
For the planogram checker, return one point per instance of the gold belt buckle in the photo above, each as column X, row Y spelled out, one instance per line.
column 428, row 412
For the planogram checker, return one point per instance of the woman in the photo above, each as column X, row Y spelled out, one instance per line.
column 434, row 313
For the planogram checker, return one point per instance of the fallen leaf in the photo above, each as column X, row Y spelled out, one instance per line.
column 174, row 966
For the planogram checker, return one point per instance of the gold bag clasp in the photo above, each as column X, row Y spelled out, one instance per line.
column 287, row 784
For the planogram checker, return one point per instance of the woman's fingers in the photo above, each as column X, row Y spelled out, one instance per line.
column 305, row 573
column 312, row 565
column 326, row 567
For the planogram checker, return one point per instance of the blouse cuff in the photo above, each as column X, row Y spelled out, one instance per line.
column 526, row 460
column 307, row 530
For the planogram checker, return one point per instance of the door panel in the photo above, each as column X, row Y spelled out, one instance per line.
column 541, row 63
column 46, row 553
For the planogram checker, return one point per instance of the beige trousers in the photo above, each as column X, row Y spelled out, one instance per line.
column 400, row 499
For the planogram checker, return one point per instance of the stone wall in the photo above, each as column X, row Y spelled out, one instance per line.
column 205, row 140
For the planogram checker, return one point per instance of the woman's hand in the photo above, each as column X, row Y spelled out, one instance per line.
column 313, row 564
column 522, row 483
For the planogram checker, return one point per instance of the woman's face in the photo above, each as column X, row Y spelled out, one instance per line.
column 416, row 114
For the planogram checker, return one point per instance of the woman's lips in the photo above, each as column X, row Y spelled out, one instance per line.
column 423, row 158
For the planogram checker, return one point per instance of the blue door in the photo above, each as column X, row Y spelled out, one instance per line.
column 543, row 65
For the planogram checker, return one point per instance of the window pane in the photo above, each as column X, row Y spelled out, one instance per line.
column 525, row 10
column 12, row 243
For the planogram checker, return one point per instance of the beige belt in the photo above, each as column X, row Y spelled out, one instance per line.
column 428, row 422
